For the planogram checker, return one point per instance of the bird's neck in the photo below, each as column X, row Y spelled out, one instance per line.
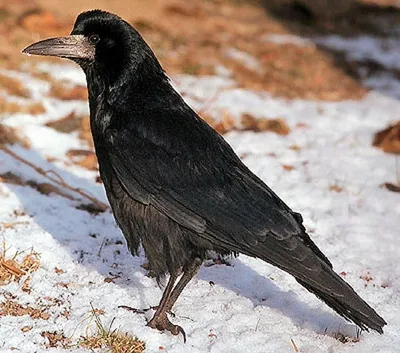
column 131, row 83
column 126, row 98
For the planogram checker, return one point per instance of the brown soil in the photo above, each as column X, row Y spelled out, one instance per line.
column 195, row 37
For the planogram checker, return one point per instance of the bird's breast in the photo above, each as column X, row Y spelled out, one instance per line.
column 100, row 117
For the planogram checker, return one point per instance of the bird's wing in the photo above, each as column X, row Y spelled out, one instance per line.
column 213, row 194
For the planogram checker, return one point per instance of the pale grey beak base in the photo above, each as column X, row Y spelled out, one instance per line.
column 74, row 46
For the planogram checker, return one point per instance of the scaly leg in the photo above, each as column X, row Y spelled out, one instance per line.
column 160, row 320
column 167, row 290
column 164, row 299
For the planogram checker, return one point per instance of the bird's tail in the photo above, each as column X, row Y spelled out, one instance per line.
column 348, row 304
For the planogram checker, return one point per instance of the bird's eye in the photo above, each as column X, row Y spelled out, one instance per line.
column 94, row 39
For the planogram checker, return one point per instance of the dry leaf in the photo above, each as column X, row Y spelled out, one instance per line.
column 26, row 286
column 295, row 148
column 58, row 271
column 13, row 268
column 277, row 125
column 89, row 162
column 62, row 285
column 98, row 311
column 56, row 339
column 388, row 139
column 11, row 307
column 367, row 277
column 67, row 124
column 85, row 132
column 335, row 188
column 7, row 107
column 288, row 167
column 111, row 279
column 392, row 187
column 13, row 86
column 226, row 124
column 88, row 159
column 66, row 314
column 10, row 136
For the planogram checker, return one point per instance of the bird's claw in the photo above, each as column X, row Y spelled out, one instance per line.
column 138, row 311
column 162, row 323
column 143, row 311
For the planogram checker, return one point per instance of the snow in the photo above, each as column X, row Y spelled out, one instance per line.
column 246, row 59
column 288, row 39
column 249, row 305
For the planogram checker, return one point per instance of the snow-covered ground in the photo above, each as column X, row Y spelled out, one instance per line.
column 250, row 306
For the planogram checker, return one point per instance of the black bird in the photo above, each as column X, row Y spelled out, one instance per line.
column 174, row 184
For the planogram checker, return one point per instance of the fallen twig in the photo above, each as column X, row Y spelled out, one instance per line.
column 57, row 179
column 294, row 345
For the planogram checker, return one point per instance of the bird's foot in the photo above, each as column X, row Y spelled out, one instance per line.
column 162, row 323
column 143, row 311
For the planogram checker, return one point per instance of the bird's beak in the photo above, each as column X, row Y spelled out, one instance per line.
column 72, row 47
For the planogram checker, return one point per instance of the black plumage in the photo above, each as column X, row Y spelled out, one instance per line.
column 175, row 186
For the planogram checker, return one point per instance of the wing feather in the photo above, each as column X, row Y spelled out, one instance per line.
column 229, row 206
column 173, row 160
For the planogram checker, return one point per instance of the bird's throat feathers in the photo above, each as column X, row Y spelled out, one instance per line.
column 117, row 96
column 126, row 79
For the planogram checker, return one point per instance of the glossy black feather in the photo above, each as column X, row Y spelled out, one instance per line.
column 177, row 187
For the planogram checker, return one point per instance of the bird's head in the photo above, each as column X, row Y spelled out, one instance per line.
column 104, row 43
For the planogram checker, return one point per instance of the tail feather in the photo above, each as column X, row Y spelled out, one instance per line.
column 339, row 295
column 314, row 271
column 349, row 305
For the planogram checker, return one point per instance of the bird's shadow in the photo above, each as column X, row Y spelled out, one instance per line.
column 243, row 280
column 239, row 278
column 92, row 240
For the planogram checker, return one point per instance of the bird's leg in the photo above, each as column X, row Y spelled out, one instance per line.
column 188, row 274
column 164, row 299
column 166, row 295
column 160, row 320
column 167, row 290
